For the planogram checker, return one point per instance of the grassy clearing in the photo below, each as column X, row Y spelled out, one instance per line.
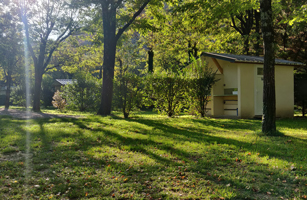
column 152, row 157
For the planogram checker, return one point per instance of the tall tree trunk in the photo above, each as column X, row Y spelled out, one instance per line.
column 109, row 28
column 150, row 60
column 37, row 91
column 110, row 39
column 8, row 89
column 39, row 71
column 269, row 107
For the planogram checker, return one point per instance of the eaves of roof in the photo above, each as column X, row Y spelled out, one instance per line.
column 249, row 59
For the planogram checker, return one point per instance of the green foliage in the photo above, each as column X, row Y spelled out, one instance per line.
column 47, row 89
column 129, row 68
column 300, row 92
column 127, row 92
column 200, row 79
column 84, row 93
column 58, row 101
column 166, row 90
column 19, row 95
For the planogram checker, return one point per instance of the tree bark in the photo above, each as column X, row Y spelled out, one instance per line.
column 109, row 28
column 269, row 107
column 110, row 39
column 8, row 89
column 37, row 91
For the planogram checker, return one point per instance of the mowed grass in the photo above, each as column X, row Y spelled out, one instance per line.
column 152, row 157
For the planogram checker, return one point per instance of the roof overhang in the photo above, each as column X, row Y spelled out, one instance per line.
column 249, row 59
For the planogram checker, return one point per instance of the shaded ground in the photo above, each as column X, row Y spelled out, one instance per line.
column 20, row 114
column 152, row 157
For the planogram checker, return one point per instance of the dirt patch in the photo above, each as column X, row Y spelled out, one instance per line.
column 32, row 115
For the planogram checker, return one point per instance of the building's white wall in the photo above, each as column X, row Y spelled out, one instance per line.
column 242, row 76
column 284, row 88
column 246, row 90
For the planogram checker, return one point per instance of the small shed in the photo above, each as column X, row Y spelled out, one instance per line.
column 58, row 83
column 239, row 89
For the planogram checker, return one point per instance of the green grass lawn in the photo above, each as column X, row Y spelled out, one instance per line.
column 152, row 157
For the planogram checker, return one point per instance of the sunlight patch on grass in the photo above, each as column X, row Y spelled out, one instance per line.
column 153, row 156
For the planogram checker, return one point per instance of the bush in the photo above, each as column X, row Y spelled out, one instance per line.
column 18, row 95
column 47, row 90
column 166, row 90
column 83, row 94
column 58, row 101
column 200, row 79
column 127, row 92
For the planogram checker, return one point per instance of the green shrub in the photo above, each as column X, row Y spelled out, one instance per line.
column 200, row 79
column 18, row 95
column 166, row 90
column 47, row 90
column 83, row 94
column 127, row 92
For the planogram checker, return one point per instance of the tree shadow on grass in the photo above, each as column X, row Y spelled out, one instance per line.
column 194, row 136
column 166, row 171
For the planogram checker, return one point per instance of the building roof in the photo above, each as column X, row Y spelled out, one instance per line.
column 249, row 59
column 65, row 81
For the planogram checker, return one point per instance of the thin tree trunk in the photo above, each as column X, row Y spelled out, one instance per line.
column 150, row 60
column 8, row 90
column 246, row 45
column 257, row 44
column 190, row 51
column 109, row 28
column 269, row 107
column 100, row 72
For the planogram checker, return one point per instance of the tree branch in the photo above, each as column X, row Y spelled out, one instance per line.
column 122, row 30
column 25, row 22
column 52, row 67
column 235, row 26
column 55, row 47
